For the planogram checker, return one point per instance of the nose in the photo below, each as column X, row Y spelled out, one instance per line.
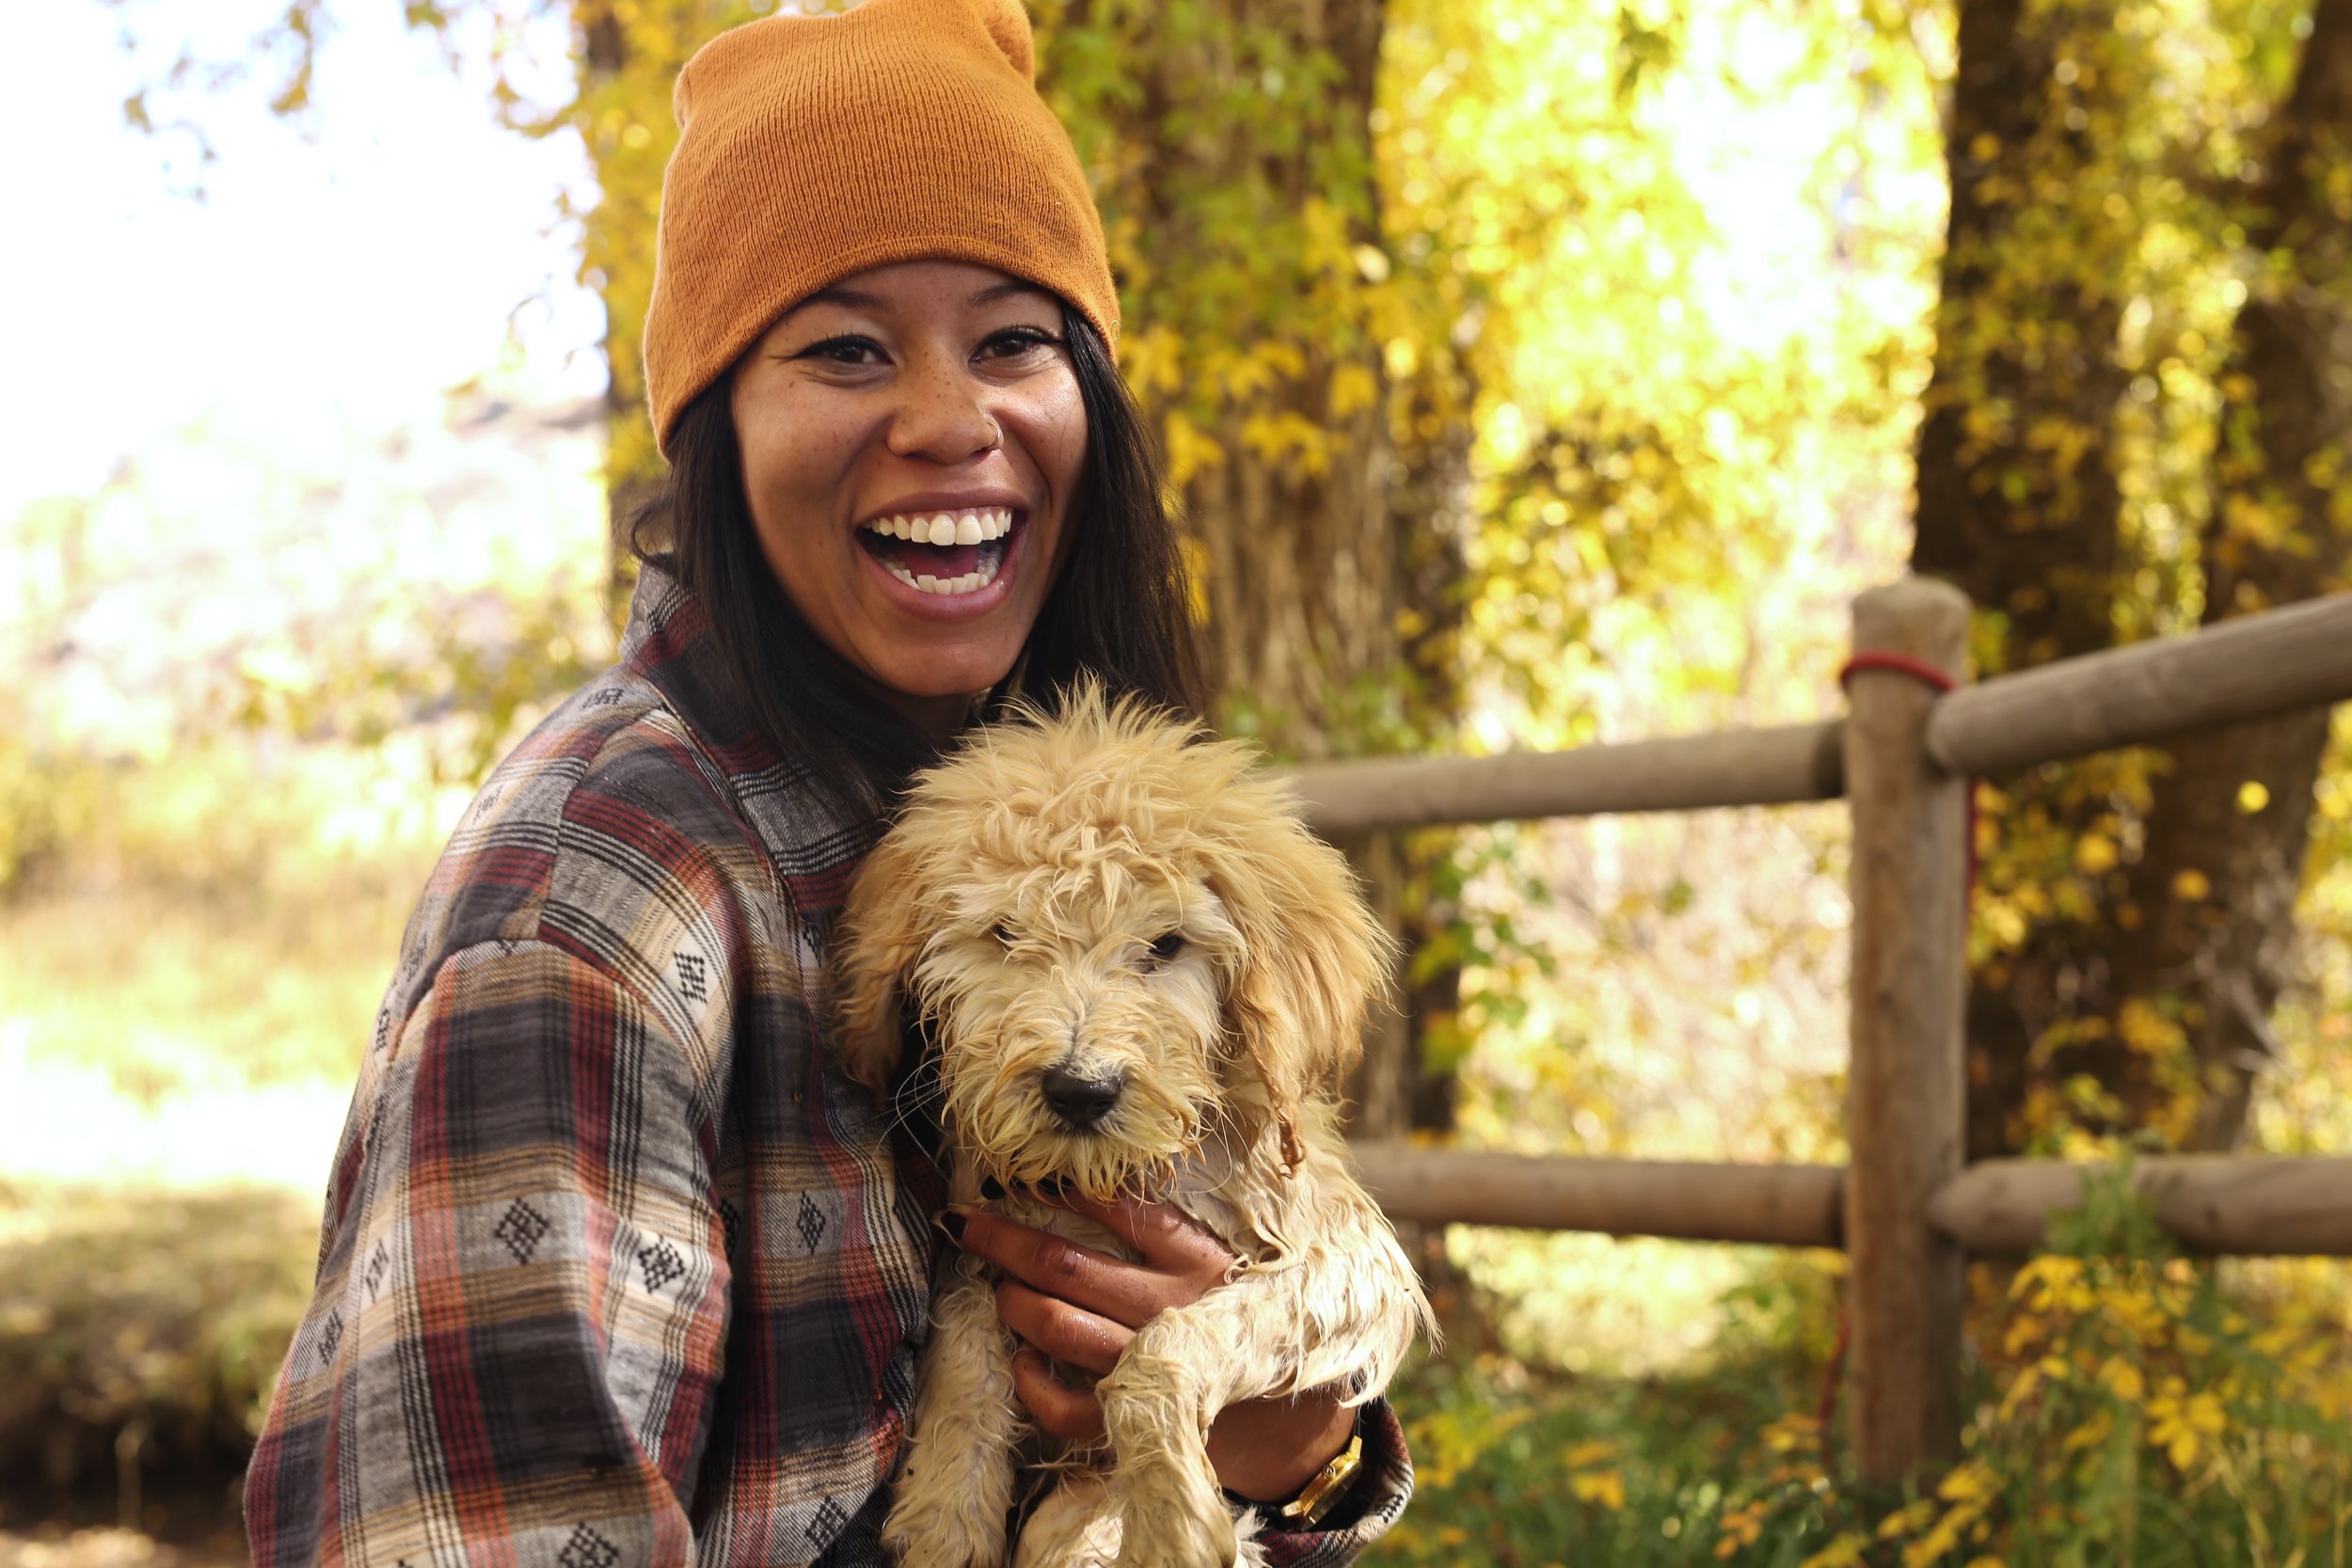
column 942, row 417
column 1080, row 1101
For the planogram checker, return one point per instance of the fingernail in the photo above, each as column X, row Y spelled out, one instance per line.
column 951, row 1222
column 991, row 1188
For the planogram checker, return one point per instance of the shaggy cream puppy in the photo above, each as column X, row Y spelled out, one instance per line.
column 1143, row 973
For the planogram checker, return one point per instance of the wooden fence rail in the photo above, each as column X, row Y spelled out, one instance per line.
column 2238, row 1205
column 1905, row 1209
column 1736, row 767
column 2251, row 668
column 2244, row 1204
column 2276, row 661
column 1780, row 1205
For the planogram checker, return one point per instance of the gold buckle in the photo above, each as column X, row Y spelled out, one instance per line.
column 1315, row 1500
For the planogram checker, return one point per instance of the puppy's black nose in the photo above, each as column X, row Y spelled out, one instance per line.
column 1078, row 1101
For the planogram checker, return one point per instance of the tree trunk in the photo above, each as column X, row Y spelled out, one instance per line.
column 627, row 54
column 2017, row 499
column 1231, row 143
column 2211, row 938
column 1302, row 554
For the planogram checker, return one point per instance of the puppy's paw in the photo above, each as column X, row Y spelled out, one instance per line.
column 943, row 1527
column 1168, row 1522
column 1074, row 1527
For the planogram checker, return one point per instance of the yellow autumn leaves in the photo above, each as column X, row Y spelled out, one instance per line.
column 2124, row 1405
column 2122, row 1382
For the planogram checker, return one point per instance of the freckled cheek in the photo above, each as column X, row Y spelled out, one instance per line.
column 1055, row 432
column 797, row 458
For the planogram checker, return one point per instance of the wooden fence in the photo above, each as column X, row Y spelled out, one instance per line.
column 1905, row 1209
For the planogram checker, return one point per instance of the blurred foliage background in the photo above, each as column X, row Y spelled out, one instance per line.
column 1532, row 372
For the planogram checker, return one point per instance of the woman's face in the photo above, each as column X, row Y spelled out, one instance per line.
column 911, row 441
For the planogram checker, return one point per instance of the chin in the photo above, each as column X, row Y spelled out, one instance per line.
column 932, row 684
column 930, row 674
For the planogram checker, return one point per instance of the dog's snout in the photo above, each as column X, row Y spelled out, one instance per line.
column 1078, row 1100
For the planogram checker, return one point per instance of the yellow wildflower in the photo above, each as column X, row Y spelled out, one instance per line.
column 2179, row 1425
column 2089, row 1434
column 1844, row 1552
column 1971, row 1482
column 1906, row 1519
column 2054, row 1283
column 1932, row 1548
column 2021, row 1388
column 1741, row 1526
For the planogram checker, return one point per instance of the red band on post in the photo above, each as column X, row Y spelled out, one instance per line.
column 1926, row 675
column 1901, row 664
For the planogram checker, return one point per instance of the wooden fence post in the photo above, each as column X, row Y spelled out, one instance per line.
column 1906, row 1101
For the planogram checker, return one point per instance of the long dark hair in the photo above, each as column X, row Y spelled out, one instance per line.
column 1121, row 612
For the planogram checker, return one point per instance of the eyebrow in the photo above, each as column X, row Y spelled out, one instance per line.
column 857, row 299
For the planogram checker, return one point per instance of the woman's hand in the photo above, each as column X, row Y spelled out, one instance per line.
column 1071, row 1303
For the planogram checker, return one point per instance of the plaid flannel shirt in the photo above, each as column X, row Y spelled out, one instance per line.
column 616, row 1266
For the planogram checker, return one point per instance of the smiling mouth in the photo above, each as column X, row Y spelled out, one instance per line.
column 946, row 553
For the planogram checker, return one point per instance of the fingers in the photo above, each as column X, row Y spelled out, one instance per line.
column 1062, row 1411
column 1167, row 1239
column 1129, row 1294
column 1064, row 1332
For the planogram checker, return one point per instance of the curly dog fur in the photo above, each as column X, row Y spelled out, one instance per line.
column 1104, row 899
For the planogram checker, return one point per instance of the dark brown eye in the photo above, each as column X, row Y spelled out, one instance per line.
column 1167, row 947
column 1002, row 932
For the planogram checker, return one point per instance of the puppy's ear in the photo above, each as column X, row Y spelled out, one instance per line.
column 1311, row 954
column 875, row 946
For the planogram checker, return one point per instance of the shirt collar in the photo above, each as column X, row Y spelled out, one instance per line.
column 814, row 847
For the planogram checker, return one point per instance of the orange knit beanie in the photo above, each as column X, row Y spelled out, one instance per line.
column 813, row 147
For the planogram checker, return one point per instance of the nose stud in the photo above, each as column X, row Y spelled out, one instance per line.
column 1078, row 1101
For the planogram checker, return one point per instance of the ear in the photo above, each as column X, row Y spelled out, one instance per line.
column 1311, row 954
column 875, row 946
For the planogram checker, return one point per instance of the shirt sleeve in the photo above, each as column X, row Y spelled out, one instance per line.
column 521, row 1307
column 1373, row 1503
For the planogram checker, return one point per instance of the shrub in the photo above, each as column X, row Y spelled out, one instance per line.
column 2131, row 1406
column 139, row 1333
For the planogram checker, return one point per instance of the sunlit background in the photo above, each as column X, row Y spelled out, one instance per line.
column 305, row 441
column 339, row 381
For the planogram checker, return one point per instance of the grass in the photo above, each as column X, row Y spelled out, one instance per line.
column 167, row 989
column 1519, row 1469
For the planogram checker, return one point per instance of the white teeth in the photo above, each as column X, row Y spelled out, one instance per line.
column 947, row 527
column 977, row 527
column 948, row 587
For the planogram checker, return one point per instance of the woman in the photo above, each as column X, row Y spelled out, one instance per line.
column 616, row 1266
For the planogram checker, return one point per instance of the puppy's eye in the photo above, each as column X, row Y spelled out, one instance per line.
column 1167, row 947
column 1002, row 932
